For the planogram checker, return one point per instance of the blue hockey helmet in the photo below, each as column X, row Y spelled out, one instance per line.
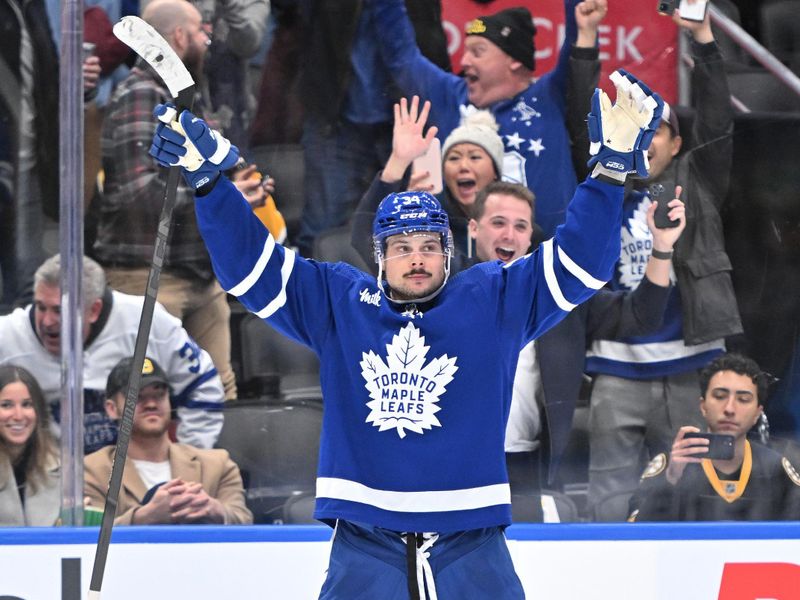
column 406, row 213
column 409, row 212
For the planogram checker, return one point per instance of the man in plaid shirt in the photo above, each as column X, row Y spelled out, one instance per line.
column 134, row 190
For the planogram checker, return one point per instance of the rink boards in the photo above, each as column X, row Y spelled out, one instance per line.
column 592, row 561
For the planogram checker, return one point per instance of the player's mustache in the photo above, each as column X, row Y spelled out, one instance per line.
column 417, row 272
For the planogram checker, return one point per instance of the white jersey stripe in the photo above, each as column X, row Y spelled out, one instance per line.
column 245, row 284
column 574, row 268
column 280, row 299
column 414, row 502
column 550, row 277
column 653, row 352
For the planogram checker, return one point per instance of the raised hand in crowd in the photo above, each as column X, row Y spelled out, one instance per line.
column 684, row 451
column 408, row 141
column 700, row 30
column 91, row 72
column 588, row 16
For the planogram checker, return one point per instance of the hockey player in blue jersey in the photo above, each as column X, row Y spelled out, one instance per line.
column 417, row 367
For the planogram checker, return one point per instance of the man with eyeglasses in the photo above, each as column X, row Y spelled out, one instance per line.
column 417, row 366
column 134, row 189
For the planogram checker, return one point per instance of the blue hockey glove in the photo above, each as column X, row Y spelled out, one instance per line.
column 190, row 143
column 621, row 133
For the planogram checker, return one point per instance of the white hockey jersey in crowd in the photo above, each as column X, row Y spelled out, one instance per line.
column 197, row 394
column 416, row 397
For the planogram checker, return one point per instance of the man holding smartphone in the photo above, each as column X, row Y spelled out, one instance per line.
column 644, row 387
column 708, row 478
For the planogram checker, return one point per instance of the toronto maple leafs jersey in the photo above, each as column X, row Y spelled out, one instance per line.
column 664, row 352
column 416, row 401
column 532, row 123
column 195, row 384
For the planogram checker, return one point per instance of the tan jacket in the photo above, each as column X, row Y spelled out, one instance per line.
column 214, row 469
column 41, row 508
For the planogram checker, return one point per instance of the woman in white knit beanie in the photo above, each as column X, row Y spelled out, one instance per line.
column 472, row 157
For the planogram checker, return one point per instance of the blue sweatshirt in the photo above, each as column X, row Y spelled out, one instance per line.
column 532, row 123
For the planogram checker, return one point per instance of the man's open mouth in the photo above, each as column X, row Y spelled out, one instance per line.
column 504, row 254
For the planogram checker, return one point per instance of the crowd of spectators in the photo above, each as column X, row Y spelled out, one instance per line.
column 647, row 357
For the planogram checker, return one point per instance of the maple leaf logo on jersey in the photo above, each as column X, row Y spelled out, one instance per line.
column 636, row 247
column 404, row 391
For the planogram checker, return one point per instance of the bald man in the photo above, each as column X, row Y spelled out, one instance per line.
column 134, row 190
column 181, row 24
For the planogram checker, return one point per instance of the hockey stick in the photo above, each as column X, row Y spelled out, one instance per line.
column 147, row 43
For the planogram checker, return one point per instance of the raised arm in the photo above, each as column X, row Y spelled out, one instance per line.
column 408, row 142
column 619, row 314
column 412, row 72
column 583, row 78
column 712, row 155
column 573, row 9
column 579, row 259
column 270, row 280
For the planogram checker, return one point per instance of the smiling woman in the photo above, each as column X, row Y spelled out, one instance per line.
column 29, row 468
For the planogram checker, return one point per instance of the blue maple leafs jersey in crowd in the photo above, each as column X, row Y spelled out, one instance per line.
column 532, row 123
column 664, row 352
column 416, row 402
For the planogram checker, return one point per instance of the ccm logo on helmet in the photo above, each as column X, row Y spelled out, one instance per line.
column 414, row 215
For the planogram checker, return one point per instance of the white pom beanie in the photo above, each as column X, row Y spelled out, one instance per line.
column 480, row 128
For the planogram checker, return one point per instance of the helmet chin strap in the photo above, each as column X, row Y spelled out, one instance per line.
column 430, row 296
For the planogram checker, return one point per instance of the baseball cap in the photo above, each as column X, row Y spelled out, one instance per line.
column 121, row 373
column 670, row 117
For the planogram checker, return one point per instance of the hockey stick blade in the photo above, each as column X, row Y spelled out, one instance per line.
column 140, row 37
column 154, row 49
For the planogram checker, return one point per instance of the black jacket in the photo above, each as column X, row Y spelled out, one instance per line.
column 702, row 267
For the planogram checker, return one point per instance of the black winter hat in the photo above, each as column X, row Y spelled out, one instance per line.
column 512, row 30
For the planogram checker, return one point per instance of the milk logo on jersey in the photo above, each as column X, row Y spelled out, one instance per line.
column 374, row 298
column 636, row 247
column 404, row 391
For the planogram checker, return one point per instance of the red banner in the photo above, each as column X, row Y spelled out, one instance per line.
column 633, row 36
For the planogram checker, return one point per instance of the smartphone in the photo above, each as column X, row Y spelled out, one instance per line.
column 88, row 49
column 720, row 445
column 431, row 161
column 666, row 7
column 661, row 216
column 694, row 11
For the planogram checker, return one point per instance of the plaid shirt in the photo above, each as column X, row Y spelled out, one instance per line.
column 134, row 187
